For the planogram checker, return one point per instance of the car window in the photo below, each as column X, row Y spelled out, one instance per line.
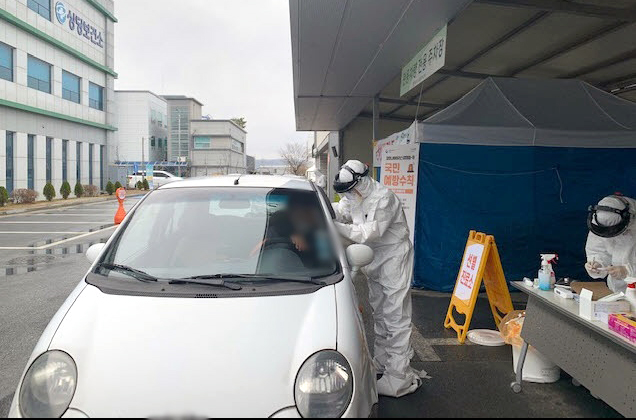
column 184, row 232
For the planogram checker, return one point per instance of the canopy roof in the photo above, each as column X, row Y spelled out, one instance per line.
column 526, row 112
column 347, row 52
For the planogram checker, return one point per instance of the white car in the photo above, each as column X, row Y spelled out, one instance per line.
column 246, row 308
column 159, row 178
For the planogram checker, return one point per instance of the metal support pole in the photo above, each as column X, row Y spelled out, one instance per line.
column 376, row 116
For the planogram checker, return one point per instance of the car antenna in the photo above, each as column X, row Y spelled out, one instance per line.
column 236, row 181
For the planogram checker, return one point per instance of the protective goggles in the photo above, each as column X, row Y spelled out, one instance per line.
column 609, row 231
column 343, row 187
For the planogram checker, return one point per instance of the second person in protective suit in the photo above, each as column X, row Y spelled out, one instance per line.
column 371, row 214
column 611, row 243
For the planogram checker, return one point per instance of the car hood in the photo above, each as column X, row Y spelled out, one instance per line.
column 148, row 356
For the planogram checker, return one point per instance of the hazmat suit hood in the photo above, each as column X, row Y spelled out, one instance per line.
column 349, row 176
column 612, row 250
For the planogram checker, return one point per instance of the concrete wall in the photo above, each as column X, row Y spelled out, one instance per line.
column 357, row 138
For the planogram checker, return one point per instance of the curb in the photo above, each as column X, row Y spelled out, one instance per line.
column 64, row 204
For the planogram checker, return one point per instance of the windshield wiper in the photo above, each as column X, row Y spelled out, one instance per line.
column 213, row 282
column 132, row 272
column 263, row 277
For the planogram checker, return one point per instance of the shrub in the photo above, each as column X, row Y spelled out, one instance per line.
column 139, row 185
column 91, row 191
column 49, row 191
column 146, row 185
column 110, row 188
column 79, row 190
column 65, row 190
column 24, row 196
column 117, row 185
column 4, row 196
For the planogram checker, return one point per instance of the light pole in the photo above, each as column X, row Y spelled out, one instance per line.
column 179, row 141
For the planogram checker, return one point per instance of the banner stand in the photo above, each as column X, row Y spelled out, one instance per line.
column 481, row 262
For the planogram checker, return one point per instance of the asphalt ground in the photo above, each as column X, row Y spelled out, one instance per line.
column 42, row 260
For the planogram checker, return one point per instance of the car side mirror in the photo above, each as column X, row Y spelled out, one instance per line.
column 93, row 252
column 359, row 256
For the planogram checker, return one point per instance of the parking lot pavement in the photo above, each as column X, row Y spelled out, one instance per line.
column 41, row 261
column 470, row 380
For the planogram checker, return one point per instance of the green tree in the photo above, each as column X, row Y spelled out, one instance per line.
column 4, row 196
column 49, row 191
column 146, row 185
column 65, row 190
column 110, row 188
column 117, row 185
column 241, row 122
column 79, row 190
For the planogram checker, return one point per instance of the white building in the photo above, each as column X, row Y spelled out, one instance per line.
column 56, row 91
column 141, row 118
column 217, row 148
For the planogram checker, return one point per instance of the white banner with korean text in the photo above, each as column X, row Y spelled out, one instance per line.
column 399, row 174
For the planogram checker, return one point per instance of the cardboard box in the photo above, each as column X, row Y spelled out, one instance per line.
column 600, row 311
column 624, row 325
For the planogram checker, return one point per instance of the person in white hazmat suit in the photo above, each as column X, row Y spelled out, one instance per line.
column 611, row 243
column 371, row 214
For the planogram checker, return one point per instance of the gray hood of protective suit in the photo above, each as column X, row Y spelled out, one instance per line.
column 617, row 251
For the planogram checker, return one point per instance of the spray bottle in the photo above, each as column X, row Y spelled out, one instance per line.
column 630, row 294
column 547, row 278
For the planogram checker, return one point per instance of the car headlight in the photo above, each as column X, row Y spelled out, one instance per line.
column 324, row 385
column 49, row 385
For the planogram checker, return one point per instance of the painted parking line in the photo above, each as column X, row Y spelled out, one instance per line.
column 423, row 347
column 37, row 248
column 63, row 214
column 44, row 222
column 40, row 233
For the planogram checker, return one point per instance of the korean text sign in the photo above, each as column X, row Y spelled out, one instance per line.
column 468, row 271
column 399, row 174
column 425, row 63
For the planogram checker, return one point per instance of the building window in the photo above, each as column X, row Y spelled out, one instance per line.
column 237, row 146
column 95, row 96
column 70, row 87
column 9, row 161
column 78, row 161
column 39, row 75
column 41, row 7
column 31, row 162
column 6, row 62
column 152, row 141
column 49, row 158
column 90, row 164
column 101, row 167
column 202, row 142
column 64, row 160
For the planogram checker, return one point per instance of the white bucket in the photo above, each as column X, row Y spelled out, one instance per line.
column 537, row 368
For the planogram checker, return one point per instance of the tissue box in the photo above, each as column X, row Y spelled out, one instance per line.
column 624, row 325
column 602, row 310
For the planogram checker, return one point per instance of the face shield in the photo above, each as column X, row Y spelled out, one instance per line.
column 347, row 179
column 606, row 220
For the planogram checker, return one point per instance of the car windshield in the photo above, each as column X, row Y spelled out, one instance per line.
column 187, row 232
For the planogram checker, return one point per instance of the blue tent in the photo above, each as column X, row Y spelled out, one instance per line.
column 521, row 160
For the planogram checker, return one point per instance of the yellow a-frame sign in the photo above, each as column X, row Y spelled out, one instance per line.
column 481, row 262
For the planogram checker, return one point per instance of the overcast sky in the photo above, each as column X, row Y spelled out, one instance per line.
column 234, row 56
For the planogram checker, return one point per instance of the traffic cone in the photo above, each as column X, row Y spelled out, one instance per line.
column 121, row 211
